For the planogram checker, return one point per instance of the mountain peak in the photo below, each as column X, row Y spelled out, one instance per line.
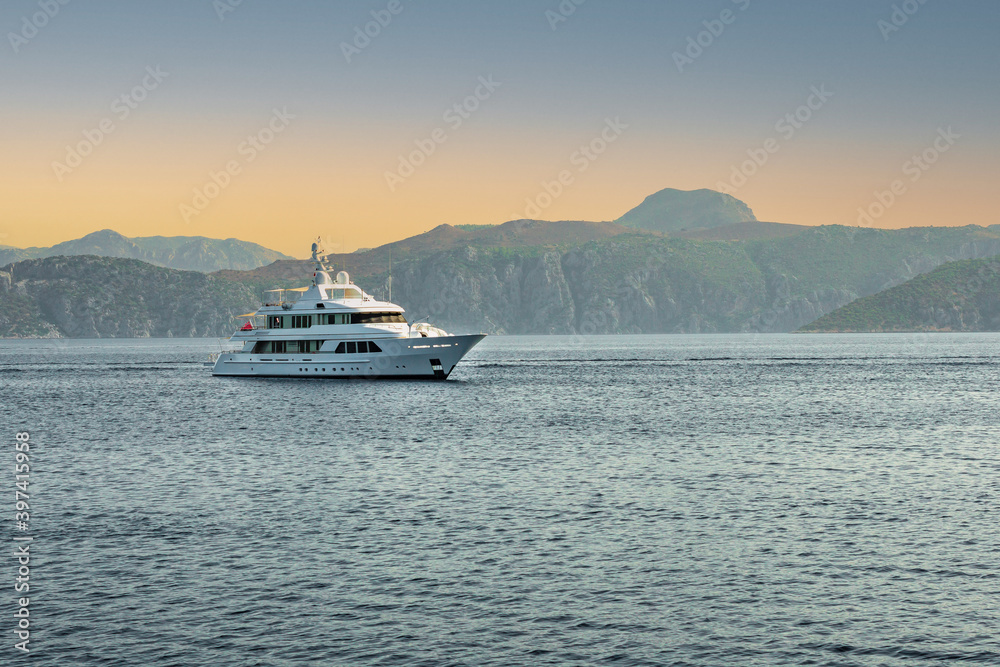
column 671, row 210
column 104, row 234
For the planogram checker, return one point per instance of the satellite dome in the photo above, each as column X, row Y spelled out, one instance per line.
column 343, row 278
column 323, row 278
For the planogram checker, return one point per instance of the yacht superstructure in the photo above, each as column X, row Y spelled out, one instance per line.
column 334, row 329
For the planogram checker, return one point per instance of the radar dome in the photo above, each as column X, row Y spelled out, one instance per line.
column 343, row 278
column 323, row 278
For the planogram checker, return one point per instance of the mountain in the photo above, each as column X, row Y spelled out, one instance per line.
column 523, row 276
column 649, row 284
column 645, row 282
column 101, row 297
column 957, row 296
column 672, row 210
column 675, row 211
column 193, row 253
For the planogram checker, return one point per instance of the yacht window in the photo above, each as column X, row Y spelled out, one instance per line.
column 352, row 348
column 340, row 349
column 372, row 347
column 362, row 347
column 335, row 318
column 377, row 318
column 345, row 293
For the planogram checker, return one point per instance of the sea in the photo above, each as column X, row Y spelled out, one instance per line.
column 698, row 500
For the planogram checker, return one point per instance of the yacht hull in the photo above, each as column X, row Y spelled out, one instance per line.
column 431, row 358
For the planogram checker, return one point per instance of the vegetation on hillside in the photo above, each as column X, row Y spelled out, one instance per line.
column 957, row 296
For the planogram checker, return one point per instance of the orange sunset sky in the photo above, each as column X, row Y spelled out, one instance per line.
column 183, row 92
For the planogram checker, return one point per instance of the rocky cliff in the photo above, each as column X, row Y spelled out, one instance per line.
column 99, row 297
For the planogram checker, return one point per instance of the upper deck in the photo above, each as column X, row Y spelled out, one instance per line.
column 325, row 304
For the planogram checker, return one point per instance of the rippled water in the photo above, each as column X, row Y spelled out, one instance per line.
column 649, row 500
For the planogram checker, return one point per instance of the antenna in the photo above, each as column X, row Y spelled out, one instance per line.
column 317, row 254
column 343, row 248
column 390, row 274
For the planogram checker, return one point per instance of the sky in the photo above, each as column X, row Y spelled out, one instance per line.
column 367, row 122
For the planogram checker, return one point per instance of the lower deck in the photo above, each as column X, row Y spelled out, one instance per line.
column 424, row 358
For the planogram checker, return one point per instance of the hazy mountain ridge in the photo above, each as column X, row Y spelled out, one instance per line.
column 100, row 297
column 523, row 276
column 192, row 253
column 513, row 234
column 625, row 283
column 957, row 296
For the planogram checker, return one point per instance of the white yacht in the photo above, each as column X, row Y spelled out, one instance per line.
column 333, row 329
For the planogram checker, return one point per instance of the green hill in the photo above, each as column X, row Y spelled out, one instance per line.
column 957, row 296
